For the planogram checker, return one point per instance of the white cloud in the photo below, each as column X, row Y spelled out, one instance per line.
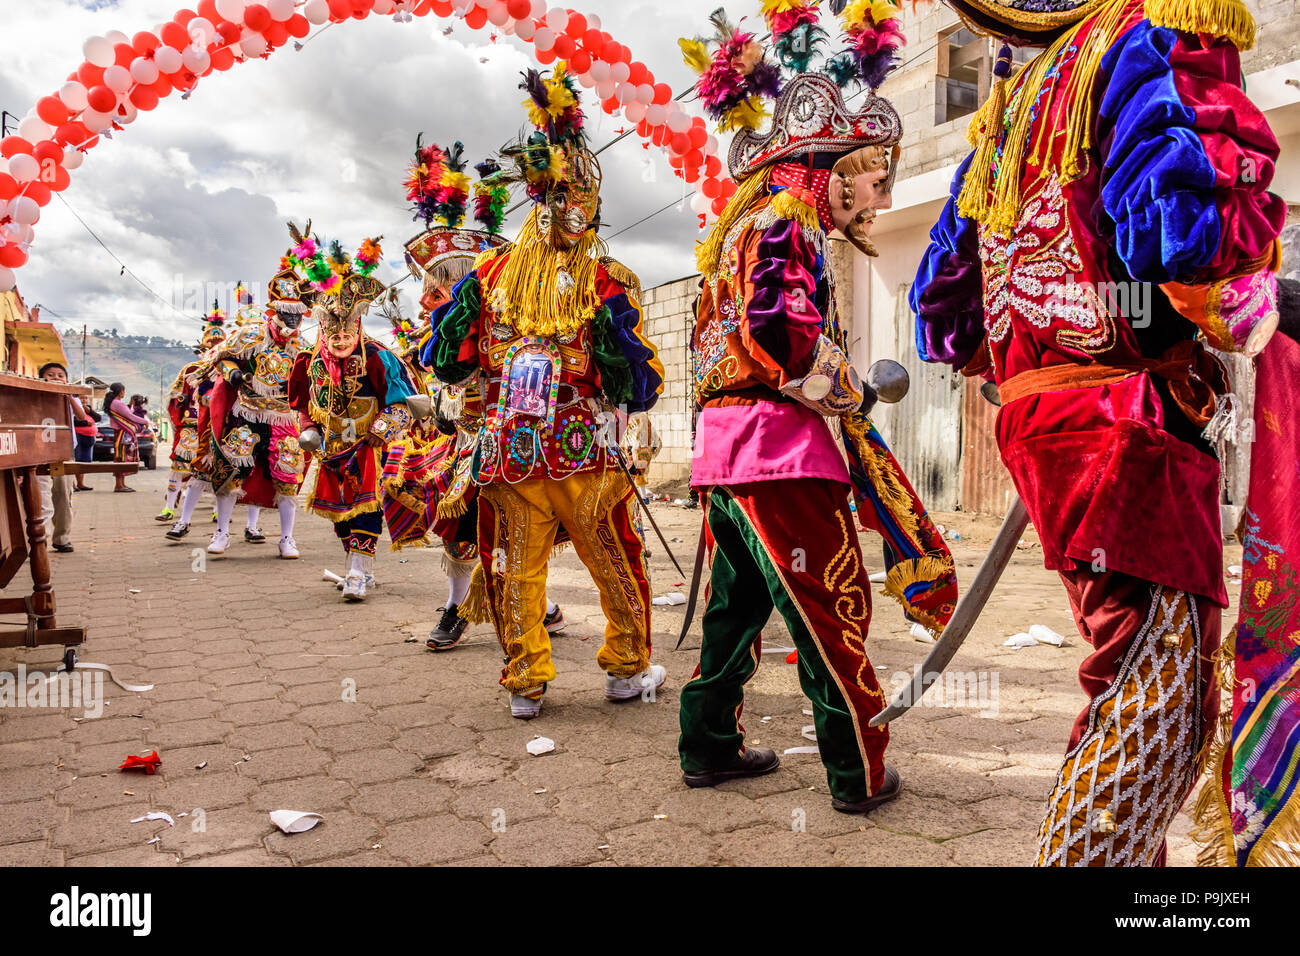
column 200, row 189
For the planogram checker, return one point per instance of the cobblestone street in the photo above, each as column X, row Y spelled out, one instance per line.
column 288, row 699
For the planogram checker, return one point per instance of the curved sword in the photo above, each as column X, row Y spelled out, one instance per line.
column 966, row 614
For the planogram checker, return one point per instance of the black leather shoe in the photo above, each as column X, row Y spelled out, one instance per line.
column 178, row 531
column 254, row 536
column 754, row 762
column 451, row 628
column 888, row 791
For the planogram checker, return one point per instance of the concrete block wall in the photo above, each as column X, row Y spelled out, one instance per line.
column 669, row 319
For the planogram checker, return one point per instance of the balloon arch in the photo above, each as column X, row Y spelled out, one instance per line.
column 123, row 77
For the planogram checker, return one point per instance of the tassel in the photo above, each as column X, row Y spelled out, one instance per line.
column 1221, row 18
column 475, row 606
column 1223, row 426
column 789, row 206
column 983, row 132
column 529, row 284
column 708, row 254
column 624, row 276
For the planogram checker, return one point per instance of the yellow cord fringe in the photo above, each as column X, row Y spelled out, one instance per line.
column 709, row 252
column 929, row 567
column 1221, row 18
column 786, row 205
column 526, row 294
column 475, row 606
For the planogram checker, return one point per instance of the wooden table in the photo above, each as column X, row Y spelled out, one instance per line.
column 35, row 436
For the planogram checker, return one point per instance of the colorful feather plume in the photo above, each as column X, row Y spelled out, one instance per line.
column 369, row 255
column 490, row 198
column 875, row 36
column 436, row 184
column 735, row 78
column 795, row 33
column 217, row 316
column 553, row 104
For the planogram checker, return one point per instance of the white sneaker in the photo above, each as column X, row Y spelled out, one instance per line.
column 354, row 587
column 220, row 541
column 526, row 708
column 371, row 583
column 289, row 548
column 625, row 688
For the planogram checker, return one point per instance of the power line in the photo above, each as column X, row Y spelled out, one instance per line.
column 645, row 219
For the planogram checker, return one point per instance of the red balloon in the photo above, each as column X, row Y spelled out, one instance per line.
column 577, row 25
column 698, row 136
column 8, row 187
column 174, row 35
column 593, row 41
column 711, row 188
column 518, row 8
column 277, row 34
column 680, row 143
column 545, row 56
column 162, row 86
column 145, row 43
column 12, row 257
column 675, row 161
column 692, row 174
column 637, row 73
column 340, row 9
column 663, row 94
column 257, row 17
column 222, row 59
column 51, row 110
column 611, row 105
column 658, row 135
column 13, row 145
column 361, row 9
column 124, row 53
column 728, row 188
column 183, row 17
column 580, row 61
column 69, row 134
column 144, row 98
column 563, row 46
column 38, row 192
column 102, row 99
column 62, row 180
column 89, row 75
column 208, row 11
column 229, row 32
column 719, row 205
column 713, row 166
column 476, row 18
column 611, row 51
column 46, row 151
column 442, row 8
column 643, row 129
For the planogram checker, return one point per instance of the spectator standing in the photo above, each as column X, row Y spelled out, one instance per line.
column 126, row 427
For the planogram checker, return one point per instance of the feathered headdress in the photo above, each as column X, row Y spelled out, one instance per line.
column 548, row 157
column 875, row 36
column 490, row 197
column 341, row 285
column 735, row 78
column 216, row 316
column 436, row 184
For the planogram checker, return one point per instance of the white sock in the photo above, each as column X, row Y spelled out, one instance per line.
column 288, row 512
column 225, row 508
column 173, row 490
column 192, row 495
column 254, row 512
column 551, row 606
column 459, row 584
column 359, row 563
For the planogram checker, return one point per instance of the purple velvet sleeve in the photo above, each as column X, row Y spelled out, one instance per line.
column 781, row 317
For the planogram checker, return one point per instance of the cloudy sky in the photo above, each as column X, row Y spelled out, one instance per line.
column 198, row 191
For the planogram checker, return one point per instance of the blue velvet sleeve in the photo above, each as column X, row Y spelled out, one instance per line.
column 399, row 383
column 642, row 362
column 451, row 325
column 947, row 295
column 1158, row 184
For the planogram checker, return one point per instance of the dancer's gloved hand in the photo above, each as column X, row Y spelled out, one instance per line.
column 236, row 378
column 310, row 440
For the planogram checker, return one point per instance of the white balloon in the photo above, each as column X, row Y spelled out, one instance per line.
column 645, row 94
column 526, row 29
column 656, row 115
column 99, row 52
column 117, row 78
column 557, row 19
column 544, row 39
column 593, row 22
column 497, row 14
column 619, row 72
column 282, row 10
column 678, row 121
column 24, row 167
column 116, row 36
column 73, row 95
column 196, row 61
column 7, row 280
column 711, row 147
column 232, row 10
column 382, row 7
column 317, row 11
column 34, row 129
column 126, row 113
column 73, row 158
column 167, row 60
column 586, row 80
column 635, row 111
column 97, row 122
column 626, row 93
column 25, row 210
column 25, row 233
column 599, row 71
column 605, row 90
column 700, row 203
column 253, row 44
column 201, row 31
column 461, row 6
column 144, row 71
column 539, row 10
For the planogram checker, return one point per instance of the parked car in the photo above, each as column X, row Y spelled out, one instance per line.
column 104, row 444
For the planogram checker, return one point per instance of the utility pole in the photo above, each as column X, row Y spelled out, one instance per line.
column 83, row 355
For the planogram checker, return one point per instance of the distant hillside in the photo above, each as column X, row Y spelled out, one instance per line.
column 145, row 364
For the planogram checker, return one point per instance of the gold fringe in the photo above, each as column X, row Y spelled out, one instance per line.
column 488, row 255
column 893, row 495
column 1279, row 845
column 624, row 276
column 475, row 606
column 786, row 205
column 452, row 508
column 363, row 509
column 708, row 254
column 1221, row 18
column 926, row 568
column 1211, row 819
column 527, row 288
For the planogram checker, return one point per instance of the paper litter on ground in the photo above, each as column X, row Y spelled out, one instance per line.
column 156, row 815
column 295, row 821
column 671, row 599
column 540, row 745
column 921, row 634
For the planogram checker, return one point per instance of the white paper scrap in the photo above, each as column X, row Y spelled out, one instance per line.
column 1045, row 635
column 671, row 599
column 295, row 821
column 156, row 815
column 800, row 750
column 1019, row 640
column 540, row 745
column 921, row 634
